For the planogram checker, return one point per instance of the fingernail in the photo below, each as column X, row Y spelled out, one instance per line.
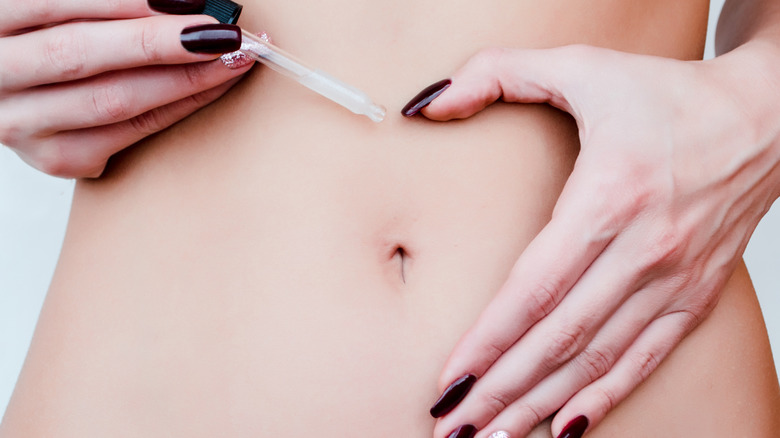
column 465, row 431
column 425, row 97
column 575, row 428
column 211, row 38
column 499, row 434
column 453, row 395
column 178, row 6
column 238, row 59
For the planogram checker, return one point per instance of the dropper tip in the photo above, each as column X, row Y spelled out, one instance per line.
column 376, row 113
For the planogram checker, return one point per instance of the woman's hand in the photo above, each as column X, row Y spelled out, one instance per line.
column 81, row 80
column 678, row 163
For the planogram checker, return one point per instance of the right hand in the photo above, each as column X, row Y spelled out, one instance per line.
column 82, row 79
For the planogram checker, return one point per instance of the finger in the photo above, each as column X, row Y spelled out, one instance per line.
column 110, row 98
column 581, row 228
column 544, row 273
column 600, row 355
column 515, row 75
column 82, row 49
column 85, row 152
column 559, row 337
column 640, row 360
column 19, row 15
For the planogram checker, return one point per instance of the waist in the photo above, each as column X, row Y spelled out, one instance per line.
column 319, row 268
column 233, row 291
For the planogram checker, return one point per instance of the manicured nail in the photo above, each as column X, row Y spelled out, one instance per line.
column 425, row 97
column 575, row 428
column 453, row 395
column 238, row 59
column 465, row 431
column 178, row 6
column 212, row 38
column 499, row 434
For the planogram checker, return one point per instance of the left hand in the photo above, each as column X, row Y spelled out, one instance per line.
column 678, row 163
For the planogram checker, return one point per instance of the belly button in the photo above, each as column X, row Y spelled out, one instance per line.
column 401, row 256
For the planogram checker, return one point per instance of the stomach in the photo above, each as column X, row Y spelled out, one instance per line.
column 276, row 266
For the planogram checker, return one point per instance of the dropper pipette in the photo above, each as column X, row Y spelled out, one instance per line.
column 227, row 11
column 316, row 80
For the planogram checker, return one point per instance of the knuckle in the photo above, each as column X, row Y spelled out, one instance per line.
column 10, row 134
column 51, row 160
column 595, row 362
column 16, row 127
column 194, row 75
column 565, row 343
column 645, row 362
column 604, row 220
column 702, row 297
column 692, row 317
column 606, row 399
column 491, row 350
column 528, row 414
column 148, row 122
column 543, row 299
column 665, row 249
column 199, row 100
column 149, row 42
column 111, row 101
column 67, row 52
column 615, row 206
column 67, row 159
column 495, row 401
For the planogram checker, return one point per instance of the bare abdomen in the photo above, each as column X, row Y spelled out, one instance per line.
column 275, row 266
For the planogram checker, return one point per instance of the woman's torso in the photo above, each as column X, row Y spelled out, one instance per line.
column 240, row 273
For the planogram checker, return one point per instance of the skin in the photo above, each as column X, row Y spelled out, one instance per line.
column 73, row 93
column 574, row 327
column 178, row 160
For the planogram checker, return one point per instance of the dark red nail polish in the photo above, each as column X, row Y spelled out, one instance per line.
column 178, row 6
column 212, row 38
column 465, row 431
column 425, row 97
column 575, row 428
column 453, row 395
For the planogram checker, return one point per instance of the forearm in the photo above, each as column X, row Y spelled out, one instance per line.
column 742, row 21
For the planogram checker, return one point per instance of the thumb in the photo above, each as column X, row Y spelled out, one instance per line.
column 513, row 75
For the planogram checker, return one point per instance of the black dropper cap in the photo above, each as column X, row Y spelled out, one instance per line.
column 225, row 11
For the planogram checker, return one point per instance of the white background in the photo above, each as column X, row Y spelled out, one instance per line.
column 33, row 215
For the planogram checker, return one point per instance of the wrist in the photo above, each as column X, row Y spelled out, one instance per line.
column 747, row 77
column 749, row 74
